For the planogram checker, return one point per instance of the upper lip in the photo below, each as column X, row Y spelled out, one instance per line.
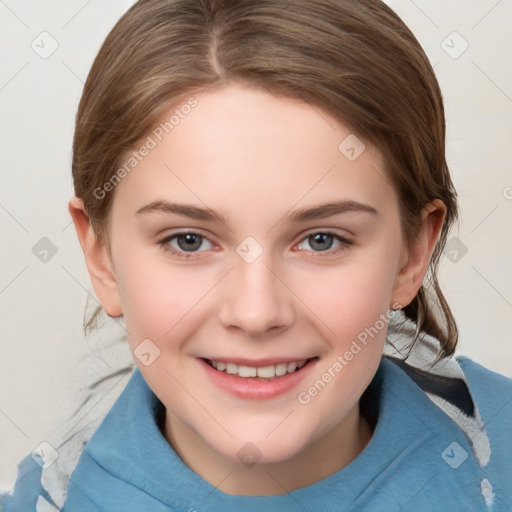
column 257, row 363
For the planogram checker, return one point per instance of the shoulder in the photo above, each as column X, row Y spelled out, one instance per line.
column 482, row 376
column 492, row 393
column 491, row 390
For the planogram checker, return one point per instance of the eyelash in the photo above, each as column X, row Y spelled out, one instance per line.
column 345, row 244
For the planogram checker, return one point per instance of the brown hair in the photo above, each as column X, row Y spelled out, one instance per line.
column 354, row 58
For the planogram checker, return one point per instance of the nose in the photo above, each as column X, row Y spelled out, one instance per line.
column 256, row 300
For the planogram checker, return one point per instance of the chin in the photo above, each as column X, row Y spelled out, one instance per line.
column 260, row 450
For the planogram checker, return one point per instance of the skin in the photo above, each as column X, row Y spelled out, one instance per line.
column 253, row 157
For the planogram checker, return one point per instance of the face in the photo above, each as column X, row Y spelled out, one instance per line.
column 250, row 267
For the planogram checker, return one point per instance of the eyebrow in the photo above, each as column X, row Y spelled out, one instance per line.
column 321, row 211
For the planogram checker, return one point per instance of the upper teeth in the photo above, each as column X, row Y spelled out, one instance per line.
column 265, row 372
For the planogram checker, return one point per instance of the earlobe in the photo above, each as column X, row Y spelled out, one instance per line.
column 97, row 259
column 414, row 261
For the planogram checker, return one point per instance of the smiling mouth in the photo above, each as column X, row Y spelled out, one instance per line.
column 262, row 373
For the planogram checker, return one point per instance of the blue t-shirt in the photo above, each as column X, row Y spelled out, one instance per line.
column 418, row 459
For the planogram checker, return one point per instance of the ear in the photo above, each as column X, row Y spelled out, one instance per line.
column 97, row 259
column 414, row 261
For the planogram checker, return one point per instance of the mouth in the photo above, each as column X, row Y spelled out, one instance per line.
column 262, row 373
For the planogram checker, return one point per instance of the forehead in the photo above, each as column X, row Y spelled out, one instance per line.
column 243, row 147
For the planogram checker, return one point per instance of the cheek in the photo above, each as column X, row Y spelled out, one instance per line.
column 156, row 296
column 354, row 303
column 353, row 308
column 348, row 298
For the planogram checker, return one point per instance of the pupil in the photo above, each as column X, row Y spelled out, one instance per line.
column 190, row 241
column 320, row 240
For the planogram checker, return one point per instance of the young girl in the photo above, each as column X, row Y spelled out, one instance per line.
column 262, row 195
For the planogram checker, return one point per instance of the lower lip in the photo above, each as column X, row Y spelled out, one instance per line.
column 252, row 388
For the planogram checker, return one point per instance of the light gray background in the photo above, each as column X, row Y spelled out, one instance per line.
column 42, row 304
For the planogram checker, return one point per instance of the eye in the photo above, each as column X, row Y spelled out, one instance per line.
column 322, row 241
column 187, row 242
